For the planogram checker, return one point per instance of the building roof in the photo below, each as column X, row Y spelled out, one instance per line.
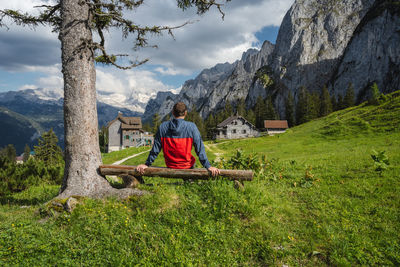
column 227, row 121
column 125, row 126
column 276, row 124
column 127, row 123
column 132, row 121
column 231, row 119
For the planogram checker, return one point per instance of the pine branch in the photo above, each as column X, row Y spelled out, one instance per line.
column 48, row 16
column 111, row 59
column 202, row 5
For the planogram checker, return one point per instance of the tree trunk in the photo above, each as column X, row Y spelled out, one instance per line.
column 82, row 152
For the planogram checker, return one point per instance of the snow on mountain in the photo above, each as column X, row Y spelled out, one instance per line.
column 48, row 94
column 134, row 102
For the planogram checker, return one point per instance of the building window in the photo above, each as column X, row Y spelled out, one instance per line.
column 126, row 137
column 244, row 131
column 234, row 131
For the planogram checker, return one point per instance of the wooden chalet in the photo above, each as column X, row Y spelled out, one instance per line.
column 275, row 126
column 124, row 132
column 236, row 127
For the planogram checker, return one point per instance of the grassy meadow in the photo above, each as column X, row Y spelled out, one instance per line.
column 318, row 198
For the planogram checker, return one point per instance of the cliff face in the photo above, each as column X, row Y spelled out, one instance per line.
column 237, row 85
column 312, row 39
column 320, row 42
column 373, row 54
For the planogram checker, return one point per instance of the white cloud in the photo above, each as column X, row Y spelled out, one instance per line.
column 128, row 81
column 130, row 89
column 51, row 82
column 50, row 78
column 172, row 71
column 53, row 69
column 208, row 41
column 28, row 86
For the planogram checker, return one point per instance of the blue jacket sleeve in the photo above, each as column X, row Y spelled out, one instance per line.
column 155, row 150
column 199, row 148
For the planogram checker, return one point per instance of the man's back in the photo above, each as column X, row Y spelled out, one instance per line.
column 177, row 140
column 176, row 137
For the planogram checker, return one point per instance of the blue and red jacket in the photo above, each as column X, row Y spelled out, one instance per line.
column 176, row 138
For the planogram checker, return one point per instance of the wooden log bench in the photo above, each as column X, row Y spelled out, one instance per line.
column 132, row 177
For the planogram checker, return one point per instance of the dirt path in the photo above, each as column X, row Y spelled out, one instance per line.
column 132, row 156
column 215, row 150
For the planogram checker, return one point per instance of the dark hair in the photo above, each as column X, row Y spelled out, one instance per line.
column 179, row 109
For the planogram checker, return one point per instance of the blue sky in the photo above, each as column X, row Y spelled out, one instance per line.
column 31, row 58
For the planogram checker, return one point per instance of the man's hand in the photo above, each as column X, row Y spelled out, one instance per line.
column 214, row 171
column 140, row 168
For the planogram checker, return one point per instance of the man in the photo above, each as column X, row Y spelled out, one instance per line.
column 176, row 138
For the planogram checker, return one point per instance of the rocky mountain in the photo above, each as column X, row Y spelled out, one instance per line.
column 373, row 53
column 213, row 87
column 320, row 42
column 155, row 104
column 27, row 113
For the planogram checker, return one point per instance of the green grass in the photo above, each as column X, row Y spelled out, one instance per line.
column 319, row 201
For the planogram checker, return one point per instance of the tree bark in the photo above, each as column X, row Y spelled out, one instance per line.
column 195, row 174
column 82, row 152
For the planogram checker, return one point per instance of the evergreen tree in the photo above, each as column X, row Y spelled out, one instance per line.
column 228, row 110
column 340, row 103
column 220, row 117
column 194, row 116
column 314, row 106
column 103, row 139
column 289, row 109
column 147, row 127
column 251, row 117
column 241, row 107
column 373, row 94
column 302, row 106
column 166, row 118
column 210, row 125
column 10, row 153
column 260, row 112
column 349, row 98
column 326, row 102
column 47, row 149
column 156, row 123
column 334, row 103
column 270, row 113
column 27, row 153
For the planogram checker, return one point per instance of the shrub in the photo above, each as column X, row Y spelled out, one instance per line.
column 381, row 161
column 18, row 177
